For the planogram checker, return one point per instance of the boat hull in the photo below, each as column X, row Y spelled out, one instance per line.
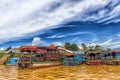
column 94, row 62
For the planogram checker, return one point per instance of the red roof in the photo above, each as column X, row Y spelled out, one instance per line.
column 32, row 47
column 116, row 51
column 52, row 46
column 41, row 51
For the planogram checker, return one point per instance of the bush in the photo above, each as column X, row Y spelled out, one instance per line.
column 1, row 55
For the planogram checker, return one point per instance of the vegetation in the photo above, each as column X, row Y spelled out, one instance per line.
column 108, row 50
column 97, row 47
column 16, row 55
column 84, row 46
column 94, row 47
column 72, row 47
column 1, row 55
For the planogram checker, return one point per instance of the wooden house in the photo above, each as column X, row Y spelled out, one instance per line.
column 43, row 53
column 94, row 57
column 79, row 56
column 73, row 59
column 69, row 60
column 116, row 54
column 112, row 58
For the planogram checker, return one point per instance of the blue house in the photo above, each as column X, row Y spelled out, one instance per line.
column 11, row 61
column 113, row 58
column 118, row 56
column 79, row 56
column 73, row 59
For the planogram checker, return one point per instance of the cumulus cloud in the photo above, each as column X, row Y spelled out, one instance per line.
column 36, row 41
column 1, row 49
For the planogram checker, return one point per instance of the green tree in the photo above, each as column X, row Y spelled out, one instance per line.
column 67, row 45
column 72, row 47
column 97, row 47
column 91, row 47
column 108, row 50
column 84, row 46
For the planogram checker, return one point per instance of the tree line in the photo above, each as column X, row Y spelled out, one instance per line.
column 74, row 47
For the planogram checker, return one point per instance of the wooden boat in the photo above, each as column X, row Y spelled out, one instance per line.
column 44, row 65
column 38, row 64
column 94, row 62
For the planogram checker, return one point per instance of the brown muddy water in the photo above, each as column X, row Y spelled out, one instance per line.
column 82, row 72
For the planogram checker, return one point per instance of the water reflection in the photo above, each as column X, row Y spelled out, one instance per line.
column 82, row 72
column 8, row 72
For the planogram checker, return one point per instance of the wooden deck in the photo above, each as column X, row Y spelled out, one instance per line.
column 38, row 64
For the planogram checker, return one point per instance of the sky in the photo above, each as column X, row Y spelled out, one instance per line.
column 42, row 22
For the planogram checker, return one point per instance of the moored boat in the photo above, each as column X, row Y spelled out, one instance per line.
column 94, row 57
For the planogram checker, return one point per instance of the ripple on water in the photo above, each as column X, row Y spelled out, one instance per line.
column 82, row 72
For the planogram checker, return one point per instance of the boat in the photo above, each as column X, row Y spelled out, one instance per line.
column 45, row 64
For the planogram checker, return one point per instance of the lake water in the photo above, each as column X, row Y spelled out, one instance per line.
column 82, row 72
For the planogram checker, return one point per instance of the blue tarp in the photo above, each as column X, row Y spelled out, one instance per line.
column 12, row 61
column 73, row 61
column 118, row 55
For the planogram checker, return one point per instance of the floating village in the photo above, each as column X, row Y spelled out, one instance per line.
column 49, row 56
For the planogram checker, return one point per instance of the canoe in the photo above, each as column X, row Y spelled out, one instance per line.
column 94, row 62
column 43, row 65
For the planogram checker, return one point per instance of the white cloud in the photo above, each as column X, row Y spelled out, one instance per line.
column 112, row 15
column 71, row 34
column 106, row 43
column 118, row 35
column 109, row 44
column 36, row 41
column 19, row 18
column 1, row 49
column 58, row 43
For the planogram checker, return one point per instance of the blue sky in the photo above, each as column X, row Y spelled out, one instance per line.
column 38, row 22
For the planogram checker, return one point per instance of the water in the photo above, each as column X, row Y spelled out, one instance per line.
column 82, row 72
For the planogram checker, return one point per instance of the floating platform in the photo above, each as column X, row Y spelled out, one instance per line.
column 70, row 63
column 112, row 62
column 95, row 62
